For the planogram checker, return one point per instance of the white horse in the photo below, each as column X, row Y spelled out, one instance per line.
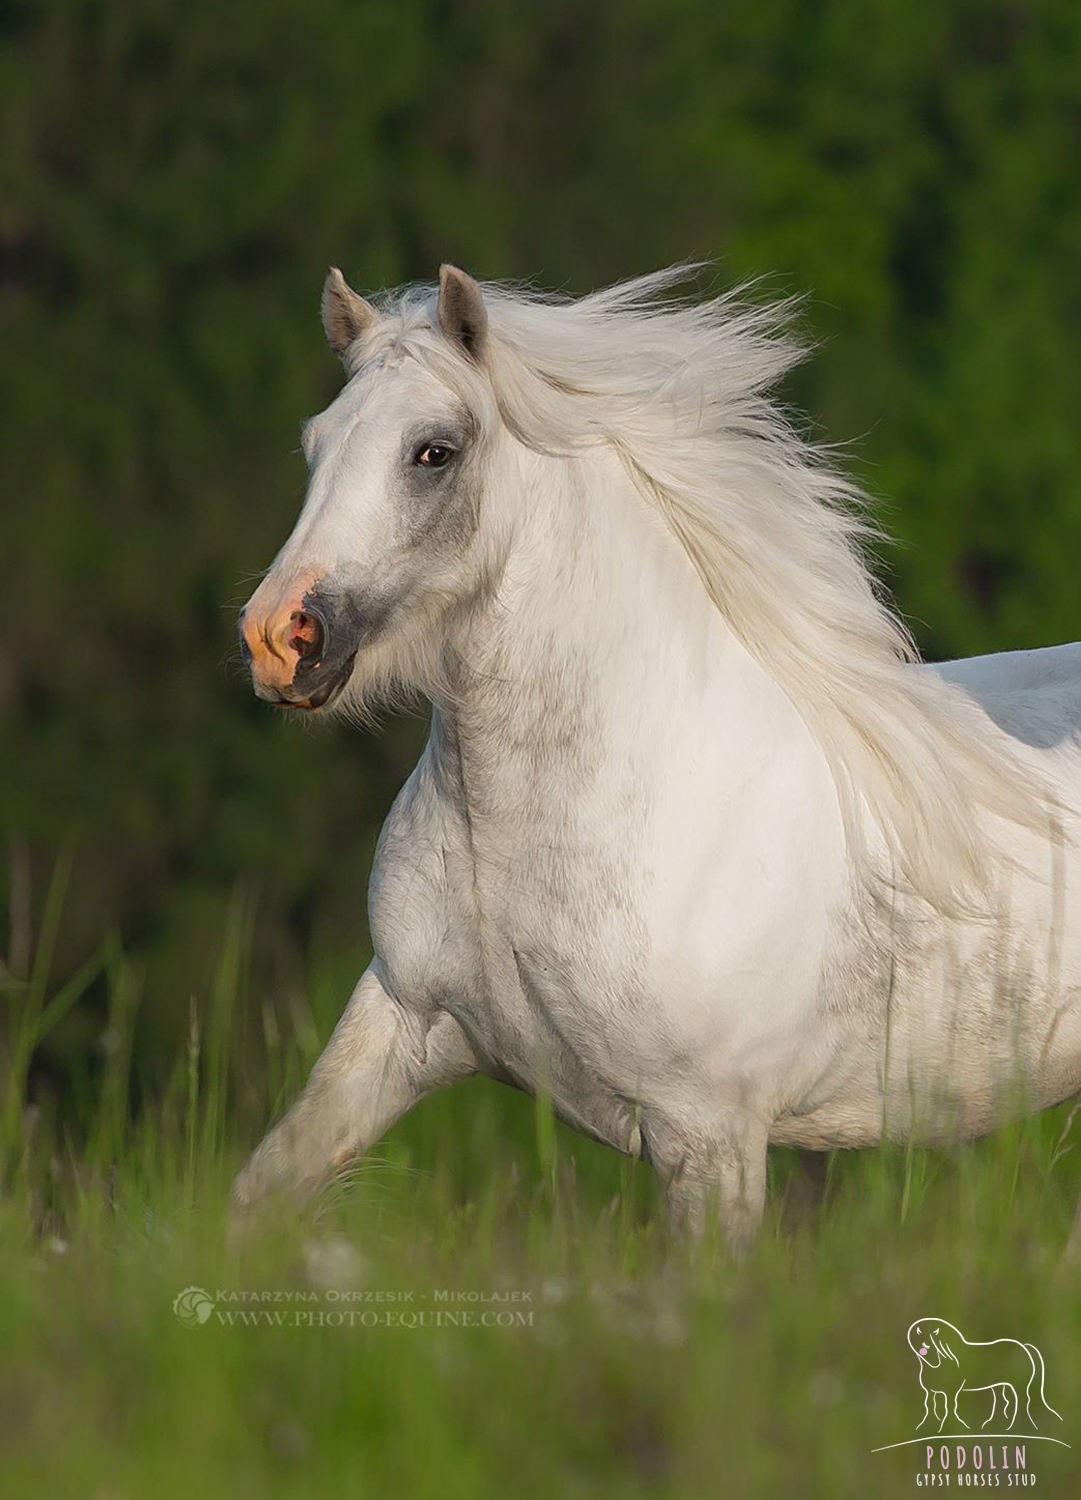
column 950, row 1364
column 695, row 840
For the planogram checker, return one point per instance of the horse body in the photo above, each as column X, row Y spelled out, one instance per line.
column 965, row 1022
column 628, row 870
column 631, row 890
column 586, row 918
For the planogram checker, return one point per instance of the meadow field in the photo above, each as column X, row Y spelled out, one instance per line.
column 487, row 1304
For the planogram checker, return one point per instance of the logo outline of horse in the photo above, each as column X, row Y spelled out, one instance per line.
column 950, row 1364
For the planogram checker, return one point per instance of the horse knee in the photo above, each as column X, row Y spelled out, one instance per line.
column 723, row 1174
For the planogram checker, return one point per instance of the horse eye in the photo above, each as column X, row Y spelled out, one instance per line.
column 434, row 455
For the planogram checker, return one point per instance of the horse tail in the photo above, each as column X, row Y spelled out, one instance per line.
column 1037, row 1359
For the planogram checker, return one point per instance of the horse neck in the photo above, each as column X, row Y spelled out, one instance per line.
column 600, row 645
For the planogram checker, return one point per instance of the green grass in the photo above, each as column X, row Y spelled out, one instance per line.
column 630, row 1369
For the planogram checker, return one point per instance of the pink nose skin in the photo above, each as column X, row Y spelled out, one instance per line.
column 279, row 634
column 276, row 645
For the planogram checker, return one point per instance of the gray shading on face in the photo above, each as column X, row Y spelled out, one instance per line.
column 437, row 488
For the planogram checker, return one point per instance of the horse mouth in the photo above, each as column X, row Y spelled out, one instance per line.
column 323, row 696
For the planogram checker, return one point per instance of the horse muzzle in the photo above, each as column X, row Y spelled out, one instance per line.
column 300, row 650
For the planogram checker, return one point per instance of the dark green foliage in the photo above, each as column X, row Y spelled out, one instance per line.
column 174, row 181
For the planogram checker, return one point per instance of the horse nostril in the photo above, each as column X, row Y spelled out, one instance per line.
column 245, row 644
column 307, row 635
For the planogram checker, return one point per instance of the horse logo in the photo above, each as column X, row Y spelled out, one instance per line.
column 950, row 1364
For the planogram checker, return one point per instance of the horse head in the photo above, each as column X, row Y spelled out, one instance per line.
column 387, row 542
column 933, row 1341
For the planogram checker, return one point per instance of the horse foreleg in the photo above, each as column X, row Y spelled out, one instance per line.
column 945, row 1408
column 956, row 1405
column 725, row 1176
column 379, row 1062
column 926, row 1409
column 994, row 1404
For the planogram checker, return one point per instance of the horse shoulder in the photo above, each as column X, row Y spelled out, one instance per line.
column 410, row 904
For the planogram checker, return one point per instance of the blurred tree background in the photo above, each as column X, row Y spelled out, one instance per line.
column 174, row 180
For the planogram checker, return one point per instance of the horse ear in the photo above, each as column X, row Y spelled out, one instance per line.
column 346, row 315
column 462, row 314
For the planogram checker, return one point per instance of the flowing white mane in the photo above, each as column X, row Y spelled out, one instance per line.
column 681, row 391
